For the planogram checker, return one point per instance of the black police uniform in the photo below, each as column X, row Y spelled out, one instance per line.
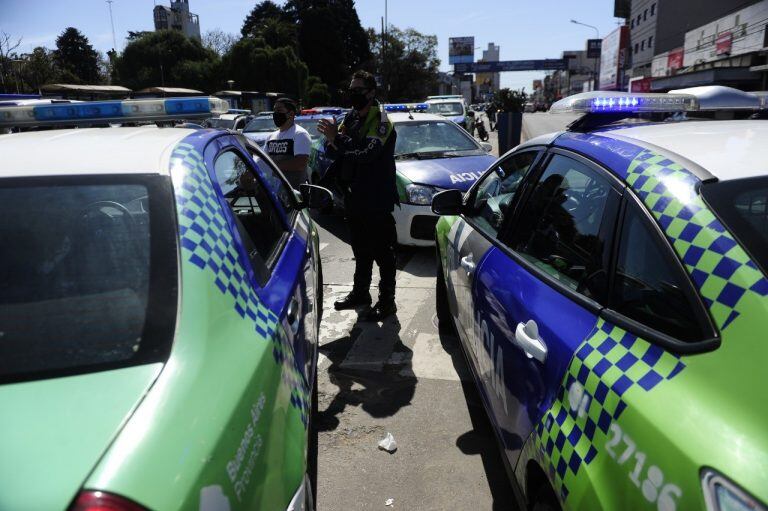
column 365, row 165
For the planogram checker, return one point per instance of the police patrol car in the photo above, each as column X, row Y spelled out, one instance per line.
column 608, row 284
column 160, row 311
column 452, row 107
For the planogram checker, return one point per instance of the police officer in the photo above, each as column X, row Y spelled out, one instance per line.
column 364, row 147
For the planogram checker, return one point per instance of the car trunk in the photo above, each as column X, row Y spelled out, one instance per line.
column 54, row 431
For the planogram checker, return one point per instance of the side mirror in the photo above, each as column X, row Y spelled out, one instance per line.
column 487, row 146
column 315, row 197
column 448, row 202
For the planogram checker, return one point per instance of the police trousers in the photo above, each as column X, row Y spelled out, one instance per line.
column 373, row 238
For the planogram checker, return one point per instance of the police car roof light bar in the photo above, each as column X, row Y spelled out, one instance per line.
column 608, row 102
column 130, row 110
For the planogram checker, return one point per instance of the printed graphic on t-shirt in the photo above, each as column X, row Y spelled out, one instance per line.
column 282, row 148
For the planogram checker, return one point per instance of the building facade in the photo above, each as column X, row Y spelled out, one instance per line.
column 177, row 17
column 686, row 43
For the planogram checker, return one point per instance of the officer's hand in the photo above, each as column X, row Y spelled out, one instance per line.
column 328, row 128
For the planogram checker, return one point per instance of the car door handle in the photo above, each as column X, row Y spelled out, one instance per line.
column 527, row 339
column 468, row 264
column 293, row 316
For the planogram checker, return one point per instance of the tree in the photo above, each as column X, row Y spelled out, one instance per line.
column 219, row 41
column 263, row 11
column 168, row 58
column 76, row 58
column 316, row 92
column 39, row 69
column 408, row 63
column 254, row 65
column 8, row 46
column 332, row 54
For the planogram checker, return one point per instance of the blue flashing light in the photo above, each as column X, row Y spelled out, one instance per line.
column 149, row 110
column 421, row 107
column 610, row 101
column 396, row 108
column 331, row 111
column 78, row 111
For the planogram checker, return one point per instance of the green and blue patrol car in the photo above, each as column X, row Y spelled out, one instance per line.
column 608, row 284
column 161, row 296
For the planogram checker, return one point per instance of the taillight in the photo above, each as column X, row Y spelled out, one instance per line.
column 99, row 501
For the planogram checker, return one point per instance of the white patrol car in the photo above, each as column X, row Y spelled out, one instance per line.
column 431, row 154
column 452, row 107
column 236, row 121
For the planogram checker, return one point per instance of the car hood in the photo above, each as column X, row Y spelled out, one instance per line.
column 55, row 431
column 458, row 173
column 458, row 119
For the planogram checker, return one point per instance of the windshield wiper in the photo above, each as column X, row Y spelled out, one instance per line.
column 408, row 156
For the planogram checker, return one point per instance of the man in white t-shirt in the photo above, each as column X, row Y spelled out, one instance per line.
column 290, row 145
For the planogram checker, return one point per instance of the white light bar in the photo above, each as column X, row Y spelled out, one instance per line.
column 612, row 102
column 720, row 97
column 130, row 110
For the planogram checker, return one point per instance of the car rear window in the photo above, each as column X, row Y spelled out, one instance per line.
column 742, row 205
column 87, row 272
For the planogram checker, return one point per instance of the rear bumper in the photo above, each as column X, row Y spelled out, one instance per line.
column 415, row 225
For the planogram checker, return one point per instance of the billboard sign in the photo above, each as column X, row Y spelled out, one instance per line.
column 612, row 58
column 461, row 50
column 723, row 43
column 512, row 65
column 640, row 84
column 593, row 48
column 675, row 59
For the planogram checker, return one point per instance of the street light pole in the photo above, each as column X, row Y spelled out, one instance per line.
column 594, row 65
column 112, row 22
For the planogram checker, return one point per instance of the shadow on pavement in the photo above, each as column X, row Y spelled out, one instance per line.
column 380, row 393
column 481, row 440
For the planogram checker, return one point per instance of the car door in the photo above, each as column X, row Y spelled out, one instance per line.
column 470, row 241
column 539, row 290
column 276, row 247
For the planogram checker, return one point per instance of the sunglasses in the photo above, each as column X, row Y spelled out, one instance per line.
column 358, row 90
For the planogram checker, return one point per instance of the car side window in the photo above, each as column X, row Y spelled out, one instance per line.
column 494, row 196
column 280, row 186
column 257, row 220
column 559, row 226
column 649, row 287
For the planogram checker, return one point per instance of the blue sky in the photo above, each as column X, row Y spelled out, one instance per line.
column 524, row 29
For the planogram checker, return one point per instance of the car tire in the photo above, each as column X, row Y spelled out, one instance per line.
column 312, row 449
column 545, row 500
column 441, row 296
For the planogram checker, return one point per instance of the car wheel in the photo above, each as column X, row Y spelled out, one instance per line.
column 312, row 450
column 545, row 500
column 441, row 296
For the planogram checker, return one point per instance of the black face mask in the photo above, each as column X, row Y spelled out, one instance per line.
column 279, row 118
column 359, row 101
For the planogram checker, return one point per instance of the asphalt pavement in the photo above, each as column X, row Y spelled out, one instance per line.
column 407, row 378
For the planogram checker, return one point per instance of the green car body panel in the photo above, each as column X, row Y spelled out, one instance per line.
column 87, row 410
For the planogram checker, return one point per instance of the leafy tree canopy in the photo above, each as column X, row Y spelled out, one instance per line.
column 76, row 58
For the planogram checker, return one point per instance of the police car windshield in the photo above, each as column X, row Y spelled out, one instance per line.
column 310, row 124
column 225, row 124
column 91, row 281
column 433, row 139
column 742, row 204
column 452, row 109
column 260, row 125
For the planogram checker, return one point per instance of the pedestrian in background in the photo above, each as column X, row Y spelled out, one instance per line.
column 490, row 112
column 364, row 149
column 289, row 146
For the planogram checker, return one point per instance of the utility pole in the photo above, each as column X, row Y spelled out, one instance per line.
column 112, row 22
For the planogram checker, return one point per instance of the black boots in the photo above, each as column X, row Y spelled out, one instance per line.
column 384, row 308
column 352, row 300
